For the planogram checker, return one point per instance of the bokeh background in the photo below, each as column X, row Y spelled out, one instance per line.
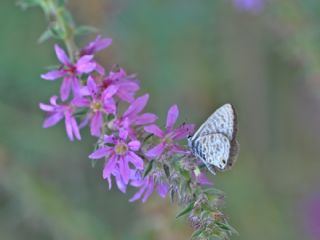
column 198, row 54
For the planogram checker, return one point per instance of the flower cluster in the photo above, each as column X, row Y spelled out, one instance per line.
column 135, row 149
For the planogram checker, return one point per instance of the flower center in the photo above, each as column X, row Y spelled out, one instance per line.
column 121, row 148
column 96, row 106
column 71, row 70
column 168, row 140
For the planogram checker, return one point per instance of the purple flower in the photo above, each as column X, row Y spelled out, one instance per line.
column 201, row 178
column 170, row 135
column 69, row 72
column 312, row 216
column 127, row 85
column 147, row 186
column 57, row 113
column 119, row 153
column 99, row 104
column 254, row 6
column 95, row 46
column 132, row 118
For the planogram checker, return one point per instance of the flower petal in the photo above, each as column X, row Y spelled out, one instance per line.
column 149, row 190
column 154, row 129
column 136, row 106
column 178, row 149
column 53, row 75
column 120, row 184
column 68, row 125
column 202, row 179
column 109, row 182
column 172, row 116
column 135, row 160
column 123, row 133
column 81, row 102
column 138, row 194
column 92, row 87
column 183, row 131
column 109, row 166
column 52, row 120
column 101, row 152
column 145, row 118
column 46, row 107
column 109, row 139
column 84, row 64
column 110, row 91
column 109, row 105
column 124, row 170
column 97, row 45
column 65, row 88
column 61, row 55
column 162, row 189
column 134, row 145
column 75, row 128
column 53, row 100
column 100, row 69
column 155, row 151
column 95, row 124
column 127, row 90
column 76, row 86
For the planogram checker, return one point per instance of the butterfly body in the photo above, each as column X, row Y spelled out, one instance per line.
column 215, row 141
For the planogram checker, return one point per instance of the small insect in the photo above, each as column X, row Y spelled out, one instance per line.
column 215, row 141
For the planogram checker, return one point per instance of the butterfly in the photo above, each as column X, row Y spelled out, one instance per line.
column 215, row 141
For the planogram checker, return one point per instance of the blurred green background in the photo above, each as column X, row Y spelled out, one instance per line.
column 198, row 54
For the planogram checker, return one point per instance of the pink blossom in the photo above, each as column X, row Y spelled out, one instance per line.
column 99, row 104
column 127, row 86
column 69, row 72
column 131, row 116
column 95, row 46
column 57, row 113
column 170, row 135
column 201, row 178
column 119, row 153
column 147, row 186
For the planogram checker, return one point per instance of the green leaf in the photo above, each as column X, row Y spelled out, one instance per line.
column 185, row 210
column 213, row 191
column 45, row 36
column 185, row 174
column 196, row 234
column 68, row 17
column 56, row 32
column 148, row 168
column 227, row 227
column 84, row 30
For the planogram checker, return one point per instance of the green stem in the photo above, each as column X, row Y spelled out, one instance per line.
column 67, row 27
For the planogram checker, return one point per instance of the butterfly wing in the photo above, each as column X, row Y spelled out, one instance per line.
column 223, row 121
column 212, row 149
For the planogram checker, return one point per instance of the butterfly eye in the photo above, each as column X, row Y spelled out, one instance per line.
column 224, row 161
